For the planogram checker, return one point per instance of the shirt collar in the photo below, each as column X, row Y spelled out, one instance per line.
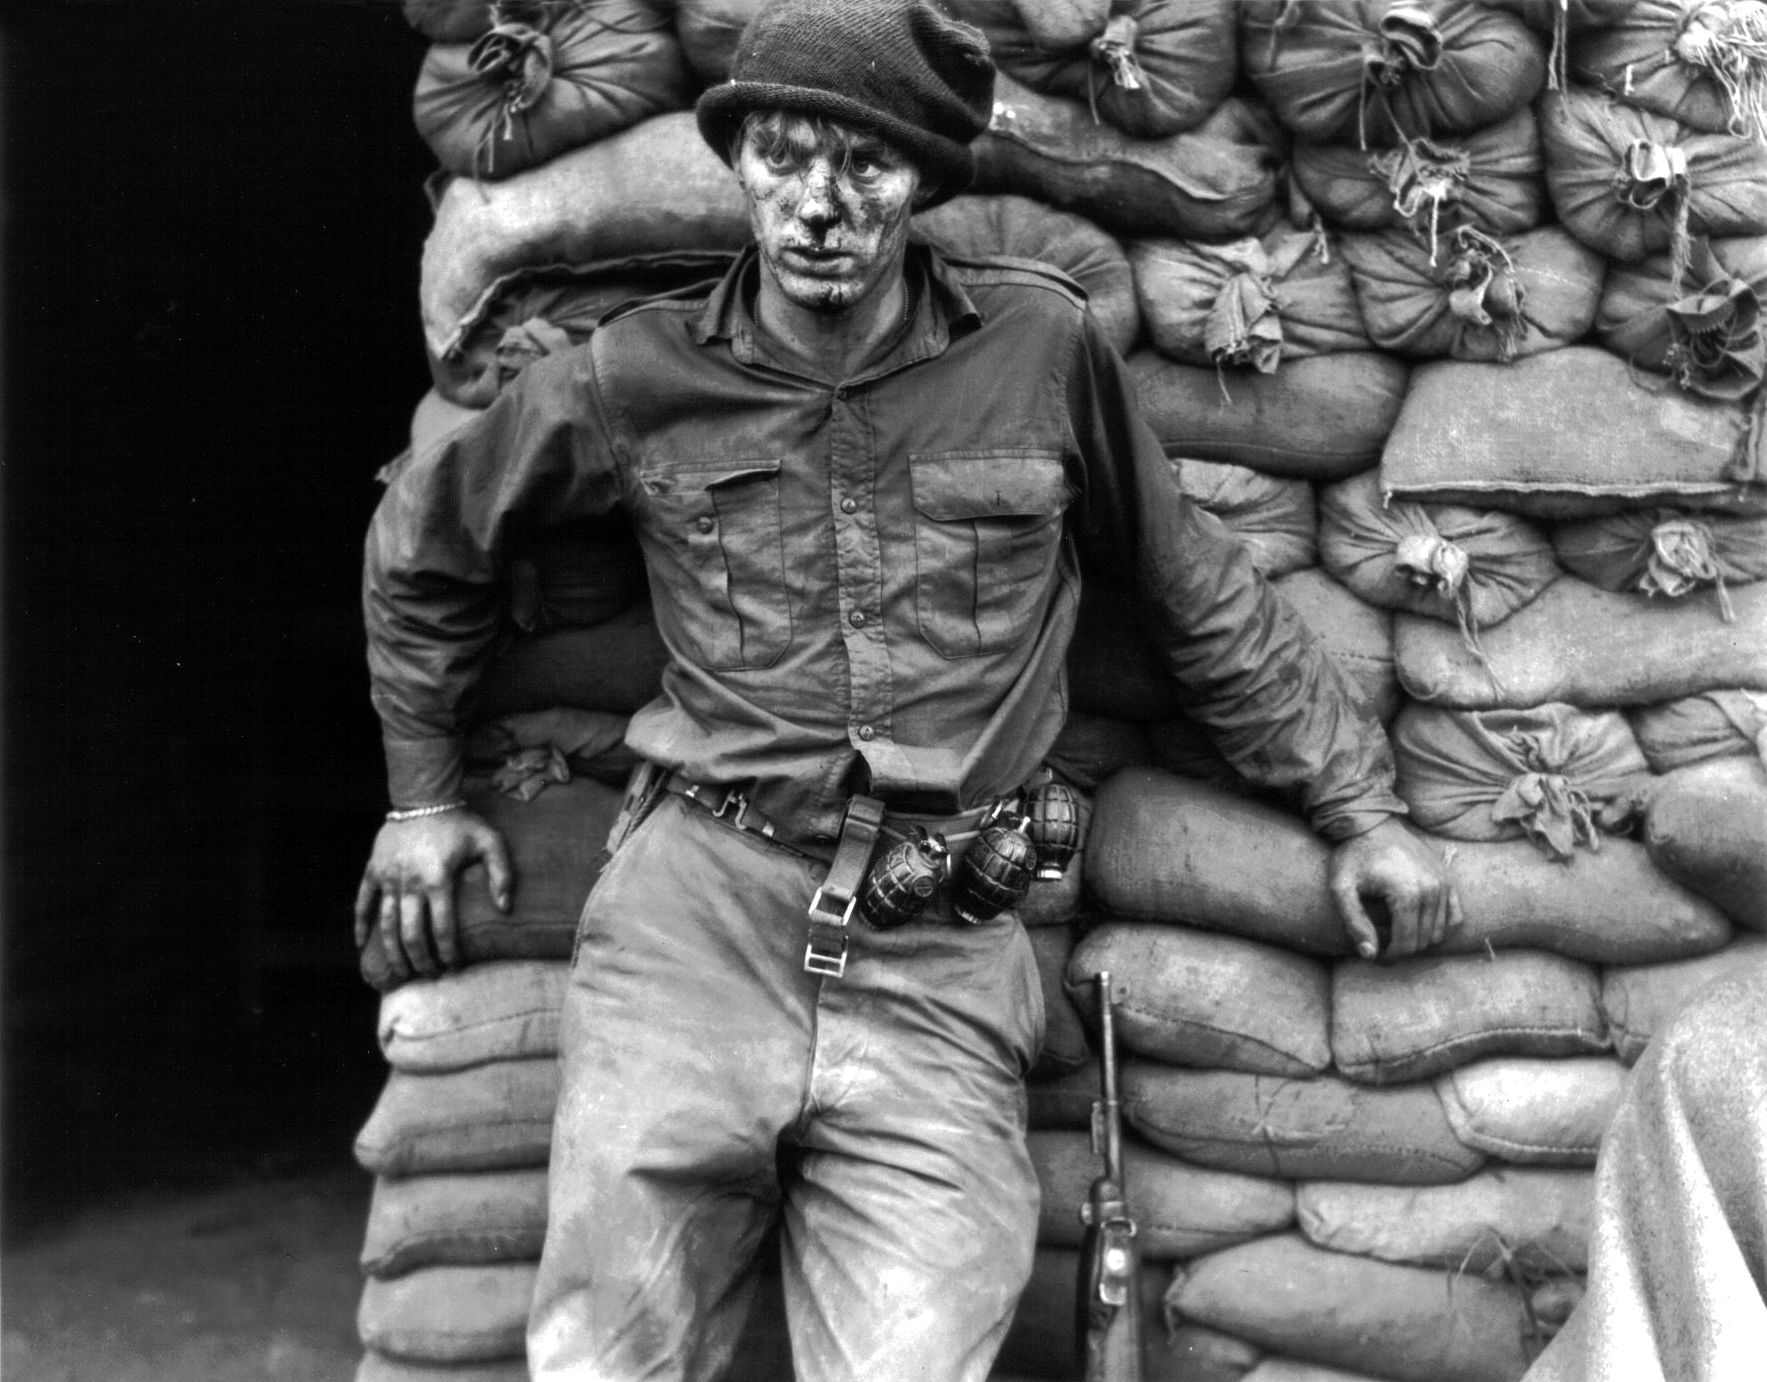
column 942, row 308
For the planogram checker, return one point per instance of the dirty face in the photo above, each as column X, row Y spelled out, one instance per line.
column 829, row 208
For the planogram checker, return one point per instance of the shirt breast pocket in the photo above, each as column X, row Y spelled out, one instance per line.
column 718, row 541
column 987, row 534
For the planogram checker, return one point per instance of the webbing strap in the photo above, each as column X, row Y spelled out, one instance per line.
column 831, row 909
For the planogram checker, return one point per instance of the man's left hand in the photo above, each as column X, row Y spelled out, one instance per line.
column 1393, row 864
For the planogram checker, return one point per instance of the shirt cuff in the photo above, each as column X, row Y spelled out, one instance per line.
column 1344, row 821
column 424, row 772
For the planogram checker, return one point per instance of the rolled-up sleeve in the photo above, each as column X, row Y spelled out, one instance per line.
column 1279, row 708
column 432, row 589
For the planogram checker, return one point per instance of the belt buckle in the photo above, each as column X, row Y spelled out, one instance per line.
column 826, row 952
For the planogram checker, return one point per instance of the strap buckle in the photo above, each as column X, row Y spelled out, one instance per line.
column 826, row 952
column 832, row 905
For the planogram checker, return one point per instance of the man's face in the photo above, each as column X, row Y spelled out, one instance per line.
column 829, row 208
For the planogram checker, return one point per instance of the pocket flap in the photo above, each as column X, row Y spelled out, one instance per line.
column 693, row 480
column 955, row 485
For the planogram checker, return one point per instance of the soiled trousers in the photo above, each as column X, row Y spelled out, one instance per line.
column 1678, row 1254
column 713, row 1090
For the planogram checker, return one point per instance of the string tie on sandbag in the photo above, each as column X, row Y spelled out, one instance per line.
column 1649, row 176
column 1557, row 72
column 1484, row 291
column 1115, row 48
column 517, row 57
column 1422, row 176
column 1406, row 41
column 1550, row 811
column 1716, row 348
column 1244, row 325
column 1728, row 39
column 1681, row 560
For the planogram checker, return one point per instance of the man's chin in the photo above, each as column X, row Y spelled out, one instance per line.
column 816, row 293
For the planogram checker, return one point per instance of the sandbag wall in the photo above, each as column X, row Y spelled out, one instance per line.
column 1449, row 310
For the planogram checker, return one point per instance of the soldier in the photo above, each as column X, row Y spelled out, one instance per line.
column 865, row 480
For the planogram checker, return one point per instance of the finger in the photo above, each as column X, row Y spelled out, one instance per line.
column 414, row 932
column 1439, row 912
column 397, row 965
column 366, row 893
column 1356, row 920
column 498, row 872
column 1456, row 913
column 1406, row 910
column 442, row 923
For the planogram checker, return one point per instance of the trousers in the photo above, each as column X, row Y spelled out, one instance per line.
column 713, row 1091
column 1678, row 1252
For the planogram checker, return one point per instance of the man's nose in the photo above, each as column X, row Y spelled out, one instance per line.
column 819, row 205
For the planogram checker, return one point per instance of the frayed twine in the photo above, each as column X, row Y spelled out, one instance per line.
column 1430, row 560
column 1422, row 176
column 1681, row 561
column 1407, row 41
column 1483, row 289
column 1556, row 815
column 1728, row 39
column 1651, row 174
column 1115, row 48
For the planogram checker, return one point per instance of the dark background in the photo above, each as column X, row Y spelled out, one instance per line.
column 213, row 220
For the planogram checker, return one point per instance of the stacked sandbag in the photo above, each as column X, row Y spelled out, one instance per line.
column 1403, row 1150
column 1450, row 311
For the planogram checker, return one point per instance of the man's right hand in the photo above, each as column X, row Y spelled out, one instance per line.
column 407, row 892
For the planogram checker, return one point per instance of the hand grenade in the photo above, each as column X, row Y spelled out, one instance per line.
column 1054, row 814
column 903, row 880
column 995, row 872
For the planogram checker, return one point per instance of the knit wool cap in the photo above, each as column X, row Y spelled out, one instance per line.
column 900, row 69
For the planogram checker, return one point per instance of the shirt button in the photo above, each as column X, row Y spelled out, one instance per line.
column 849, row 506
column 705, row 525
column 867, row 733
column 841, row 392
column 857, row 618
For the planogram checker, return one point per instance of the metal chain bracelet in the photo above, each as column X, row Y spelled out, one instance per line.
column 414, row 813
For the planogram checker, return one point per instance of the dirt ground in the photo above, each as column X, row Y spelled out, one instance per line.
column 253, row 1280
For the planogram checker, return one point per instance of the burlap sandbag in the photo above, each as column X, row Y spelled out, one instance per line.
column 506, row 1010
column 1065, row 1102
column 709, row 30
column 1639, row 1000
column 616, row 666
column 1414, row 1018
column 1216, row 1002
column 495, row 1117
column 534, row 312
column 1697, row 729
column 1065, row 1047
column 1666, row 552
column 1707, row 829
column 472, row 1218
column 1536, row 1217
column 1214, row 181
column 966, row 227
column 1165, row 848
column 449, row 21
column 652, row 188
column 1411, row 1324
column 1552, row 774
column 378, row 1368
column 1090, row 748
column 1316, row 419
column 1275, row 518
column 531, row 753
column 1358, row 636
column 1698, row 323
column 1703, row 62
column 1248, row 303
column 546, row 79
column 1469, row 567
column 1533, row 1112
column 1590, row 647
column 1372, row 72
column 1492, row 178
column 1571, row 433
column 1180, row 1210
column 1297, row 1370
column 1152, row 68
column 1472, row 296
column 1629, row 184
column 554, row 845
column 1325, row 1128
column 449, row 1314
